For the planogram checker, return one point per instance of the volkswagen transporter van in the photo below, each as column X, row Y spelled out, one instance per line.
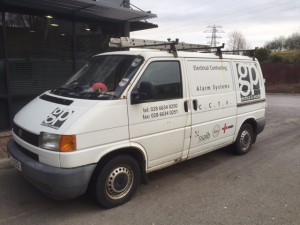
column 128, row 113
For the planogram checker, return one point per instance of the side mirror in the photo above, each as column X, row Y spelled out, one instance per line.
column 146, row 93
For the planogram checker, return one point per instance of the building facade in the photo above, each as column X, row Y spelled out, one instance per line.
column 42, row 43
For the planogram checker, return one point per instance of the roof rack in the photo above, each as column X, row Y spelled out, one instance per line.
column 170, row 46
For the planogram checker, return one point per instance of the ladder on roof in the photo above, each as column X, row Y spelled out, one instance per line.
column 170, row 46
column 126, row 42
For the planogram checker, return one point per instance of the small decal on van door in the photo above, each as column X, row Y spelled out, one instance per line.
column 249, row 84
column 225, row 128
column 56, row 119
column 216, row 131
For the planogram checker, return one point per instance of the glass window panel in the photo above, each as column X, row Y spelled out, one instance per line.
column 92, row 39
column 4, row 120
column 39, row 52
column 3, row 88
column 166, row 78
column 1, row 38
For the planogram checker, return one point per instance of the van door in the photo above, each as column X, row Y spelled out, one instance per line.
column 213, row 104
column 158, row 112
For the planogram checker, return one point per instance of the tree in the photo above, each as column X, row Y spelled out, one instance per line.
column 236, row 41
column 278, row 44
column 293, row 41
column 262, row 54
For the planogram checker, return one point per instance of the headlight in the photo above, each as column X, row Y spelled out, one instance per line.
column 49, row 141
column 56, row 142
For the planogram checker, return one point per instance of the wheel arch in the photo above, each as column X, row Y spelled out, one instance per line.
column 134, row 152
column 253, row 123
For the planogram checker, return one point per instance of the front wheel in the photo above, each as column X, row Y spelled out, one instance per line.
column 244, row 139
column 117, row 181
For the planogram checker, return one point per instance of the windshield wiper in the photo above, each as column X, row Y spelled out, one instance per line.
column 108, row 94
column 95, row 95
column 61, row 89
column 87, row 95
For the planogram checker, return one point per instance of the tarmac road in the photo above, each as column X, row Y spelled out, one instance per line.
column 262, row 187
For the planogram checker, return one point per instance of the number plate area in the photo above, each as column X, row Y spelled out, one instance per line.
column 15, row 162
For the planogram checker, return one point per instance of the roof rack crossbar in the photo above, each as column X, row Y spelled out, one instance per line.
column 218, row 51
column 251, row 52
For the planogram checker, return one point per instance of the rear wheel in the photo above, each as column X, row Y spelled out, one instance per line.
column 244, row 139
column 117, row 181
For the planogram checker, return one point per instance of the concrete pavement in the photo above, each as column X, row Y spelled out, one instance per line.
column 4, row 137
column 4, row 161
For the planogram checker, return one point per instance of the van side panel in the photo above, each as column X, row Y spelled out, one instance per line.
column 213, row 102
column 250, row 91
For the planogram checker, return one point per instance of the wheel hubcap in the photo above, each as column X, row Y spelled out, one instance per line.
column 119, row 182
column 245, row 140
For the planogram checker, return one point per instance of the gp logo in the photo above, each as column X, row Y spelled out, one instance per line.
column 57, row 118
column 249, row 84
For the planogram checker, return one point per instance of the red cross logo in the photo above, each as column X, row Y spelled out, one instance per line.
column 225, row 128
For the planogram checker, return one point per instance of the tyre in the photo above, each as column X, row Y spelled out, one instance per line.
column 244, row 139
column 117, row 181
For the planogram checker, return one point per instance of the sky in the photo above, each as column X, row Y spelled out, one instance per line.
column 259, row 21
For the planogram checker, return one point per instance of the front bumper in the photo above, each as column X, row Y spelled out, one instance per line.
column 57, row 183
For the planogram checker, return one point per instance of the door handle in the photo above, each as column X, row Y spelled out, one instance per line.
column 195, row 104
column 186, row 107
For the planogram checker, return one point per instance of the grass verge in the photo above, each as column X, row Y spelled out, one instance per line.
column 283, row 88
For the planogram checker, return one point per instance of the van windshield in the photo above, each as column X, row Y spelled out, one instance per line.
column 104, row 77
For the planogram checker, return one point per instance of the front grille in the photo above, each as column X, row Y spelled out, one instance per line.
column 27, row 152
column 26, row 135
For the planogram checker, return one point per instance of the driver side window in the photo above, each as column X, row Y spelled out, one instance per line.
column 166, row 78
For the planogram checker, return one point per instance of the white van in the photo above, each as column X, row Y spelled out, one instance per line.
column 128, row 113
